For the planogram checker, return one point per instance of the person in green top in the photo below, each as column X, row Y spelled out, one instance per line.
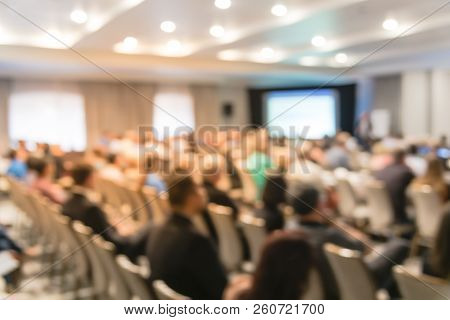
column 258, row 162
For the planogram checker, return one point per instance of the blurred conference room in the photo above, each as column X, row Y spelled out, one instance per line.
column 224, row 150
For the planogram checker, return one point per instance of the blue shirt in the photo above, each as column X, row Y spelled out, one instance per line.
column 17, row 169
column 154, row 180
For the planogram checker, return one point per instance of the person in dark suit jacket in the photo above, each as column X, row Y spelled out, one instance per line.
column 397, row 176
column 318, row 228
column 211, row 177
column 178, row 254
column 82, row 207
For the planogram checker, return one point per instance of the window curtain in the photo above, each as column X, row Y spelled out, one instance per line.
column 115, row 107
column 5, row 86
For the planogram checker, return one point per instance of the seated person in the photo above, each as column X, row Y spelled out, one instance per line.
column 178, row 254
column 153, row 178
column 274, row 278
column 82, row 207
column 7, row 244
column 211, row 176
column 317, row 226
column 43, row 182
column 434, row 177
column 273, row 196
column 437, row 262
column 17, row 167
column 113, row 168
column 397, row 176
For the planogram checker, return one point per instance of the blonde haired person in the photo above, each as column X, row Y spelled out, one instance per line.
column 434, row 177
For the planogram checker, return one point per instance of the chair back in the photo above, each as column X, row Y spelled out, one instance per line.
column 429, row 209
column 158, row 213
column 353, row 278
column 164, row 292
column 347, row 199
column 230, row 246
column 421, row 287
column 117, row 287
column 99, row 276
column 380, row 211
column 135, row 278
column 255, row 232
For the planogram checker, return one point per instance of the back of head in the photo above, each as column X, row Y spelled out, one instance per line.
column 440, row 258
column 111, row 158
column 306, row 201
column 284, row 267
column 180, row 186
column 39, row 165
column 81, row 173
column 12, row 154
column 435, row 170
column 399, row 156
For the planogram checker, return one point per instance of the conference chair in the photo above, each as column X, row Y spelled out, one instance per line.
column 117, row 287
column 380, row 210
column 135, row 277
column 255, row 232
column 429, row 209
column 421, row 287
column 354, row 280
column 230, row 246
column 164, row 292
column 315, row 289
column 98, row 274
column 348, row 204
column 159, row 212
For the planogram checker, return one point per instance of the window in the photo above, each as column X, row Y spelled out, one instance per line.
column 47, row 113
column 177, row 116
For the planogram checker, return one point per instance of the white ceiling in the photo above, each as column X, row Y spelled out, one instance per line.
column 353, row 27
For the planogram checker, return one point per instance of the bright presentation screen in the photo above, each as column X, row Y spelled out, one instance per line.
column 312, row 114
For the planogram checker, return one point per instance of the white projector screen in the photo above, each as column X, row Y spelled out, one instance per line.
column 310, row 113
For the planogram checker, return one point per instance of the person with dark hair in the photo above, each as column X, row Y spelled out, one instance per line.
column 437, row 261
column 434, row 177
column 397, row 177
column 84, row 207
column 273, row 196
column 282, row 272
column 43, row 182
column 310, row 219
column 17, row 167
column 178, row 254
column 211, row 176
column 113, row 168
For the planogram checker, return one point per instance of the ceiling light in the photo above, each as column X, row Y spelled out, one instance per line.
column 279, row 10
column 222, row 4
column 309, row 61
column 318, row 41
column 341, row 57
column 229, row 55
column 390, row 24
column 78, row 16
column 267, row 53
column 174, row 46
column 168, row 26
column 217, row 31
column 129, row 43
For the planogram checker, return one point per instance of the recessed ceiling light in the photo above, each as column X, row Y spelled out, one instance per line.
column 390, row 24
column 222, row 4
column 130, row 43
column 341, row 57
column 318, row 41
column 279, row 10
column 309, row 61
column 174, row 46
column 78, row 16
column 267, row 53
column 229, row 55
column 217, row 31
column 168, row 26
